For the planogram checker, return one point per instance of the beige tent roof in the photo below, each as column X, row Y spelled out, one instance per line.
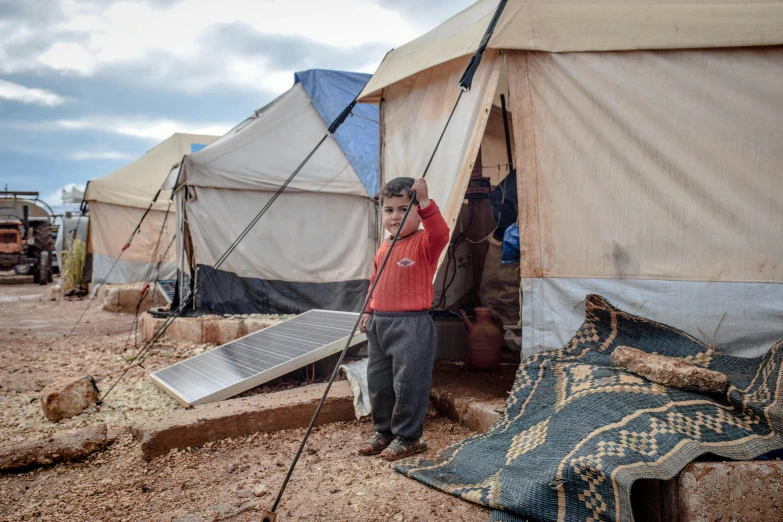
column 135, row 184
column 586, row 25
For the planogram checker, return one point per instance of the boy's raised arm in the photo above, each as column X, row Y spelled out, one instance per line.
column 435, row 227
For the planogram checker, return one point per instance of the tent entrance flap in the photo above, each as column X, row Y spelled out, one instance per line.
column 475, row 144
column 414, row 112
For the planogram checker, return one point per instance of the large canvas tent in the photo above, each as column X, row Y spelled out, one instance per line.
column 314, row 247
column 648, row 148
column 117, row 203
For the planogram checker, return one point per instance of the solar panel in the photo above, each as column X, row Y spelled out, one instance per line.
column 257, row 358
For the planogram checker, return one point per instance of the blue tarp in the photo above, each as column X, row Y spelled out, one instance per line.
column 331, row 92
column 510, row 252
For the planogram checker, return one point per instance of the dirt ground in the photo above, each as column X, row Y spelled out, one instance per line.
column 226, row 480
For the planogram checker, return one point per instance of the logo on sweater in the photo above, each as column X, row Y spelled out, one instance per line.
column 405, row 261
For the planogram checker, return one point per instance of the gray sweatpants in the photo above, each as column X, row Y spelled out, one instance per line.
column 399, row 372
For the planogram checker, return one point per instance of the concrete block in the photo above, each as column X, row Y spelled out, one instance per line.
column 186, row 329
column 469, row 397
column 181, row 329
column 107, row 294
column 239, row 417
column 254, row 324
column 477, row 415
column 125, row 298
column 206, row 329
column 221, row 330
column 480, row 416
column 749, row 491
column 42, row 452
column 149, row 324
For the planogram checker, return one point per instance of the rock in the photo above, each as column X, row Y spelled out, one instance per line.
column 669, row 371
column 68, row 397
column 260, row 490
column 76, row 445
column 746, row 490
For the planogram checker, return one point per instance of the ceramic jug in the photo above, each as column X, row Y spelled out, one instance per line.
column 484, row 340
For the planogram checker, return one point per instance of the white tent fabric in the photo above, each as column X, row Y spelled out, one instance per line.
column 117, row 203
column 591, row 25
column 261, row 154
column 299, row 239
column 652, row 177
column 314, row 247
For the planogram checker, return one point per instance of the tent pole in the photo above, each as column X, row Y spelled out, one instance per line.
column 181, row 241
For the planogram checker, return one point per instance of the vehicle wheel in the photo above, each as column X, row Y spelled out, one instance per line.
column 24, row 270
column 43, row 237
column 44, row 242
column 44, row 269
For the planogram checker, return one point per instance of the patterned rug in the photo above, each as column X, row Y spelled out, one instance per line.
column 577, row 432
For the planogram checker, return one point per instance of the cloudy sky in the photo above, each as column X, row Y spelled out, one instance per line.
column 87, row 86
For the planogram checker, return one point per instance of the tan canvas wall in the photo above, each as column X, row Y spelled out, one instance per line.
column 110, row 227
column 415, row 112
column 135, row 184
column 588, row 25
column 651, row 165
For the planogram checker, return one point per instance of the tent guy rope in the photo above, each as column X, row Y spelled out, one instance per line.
column 111, row 269
column 185, row 302
column 464, row 84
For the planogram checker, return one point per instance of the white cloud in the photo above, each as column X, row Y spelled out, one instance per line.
column 69, row 57
column 87, row 155
column 32, row 96
column 180, row 45
column 132, row 30
column 152, row 129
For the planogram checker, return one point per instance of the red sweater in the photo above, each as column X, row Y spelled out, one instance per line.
column 406, row 282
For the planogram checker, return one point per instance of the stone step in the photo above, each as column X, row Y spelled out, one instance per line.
column 269, row 412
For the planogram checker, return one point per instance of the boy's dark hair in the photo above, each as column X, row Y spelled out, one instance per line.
column 398, row 187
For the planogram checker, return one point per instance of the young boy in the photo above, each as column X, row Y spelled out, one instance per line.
column 399, row 329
